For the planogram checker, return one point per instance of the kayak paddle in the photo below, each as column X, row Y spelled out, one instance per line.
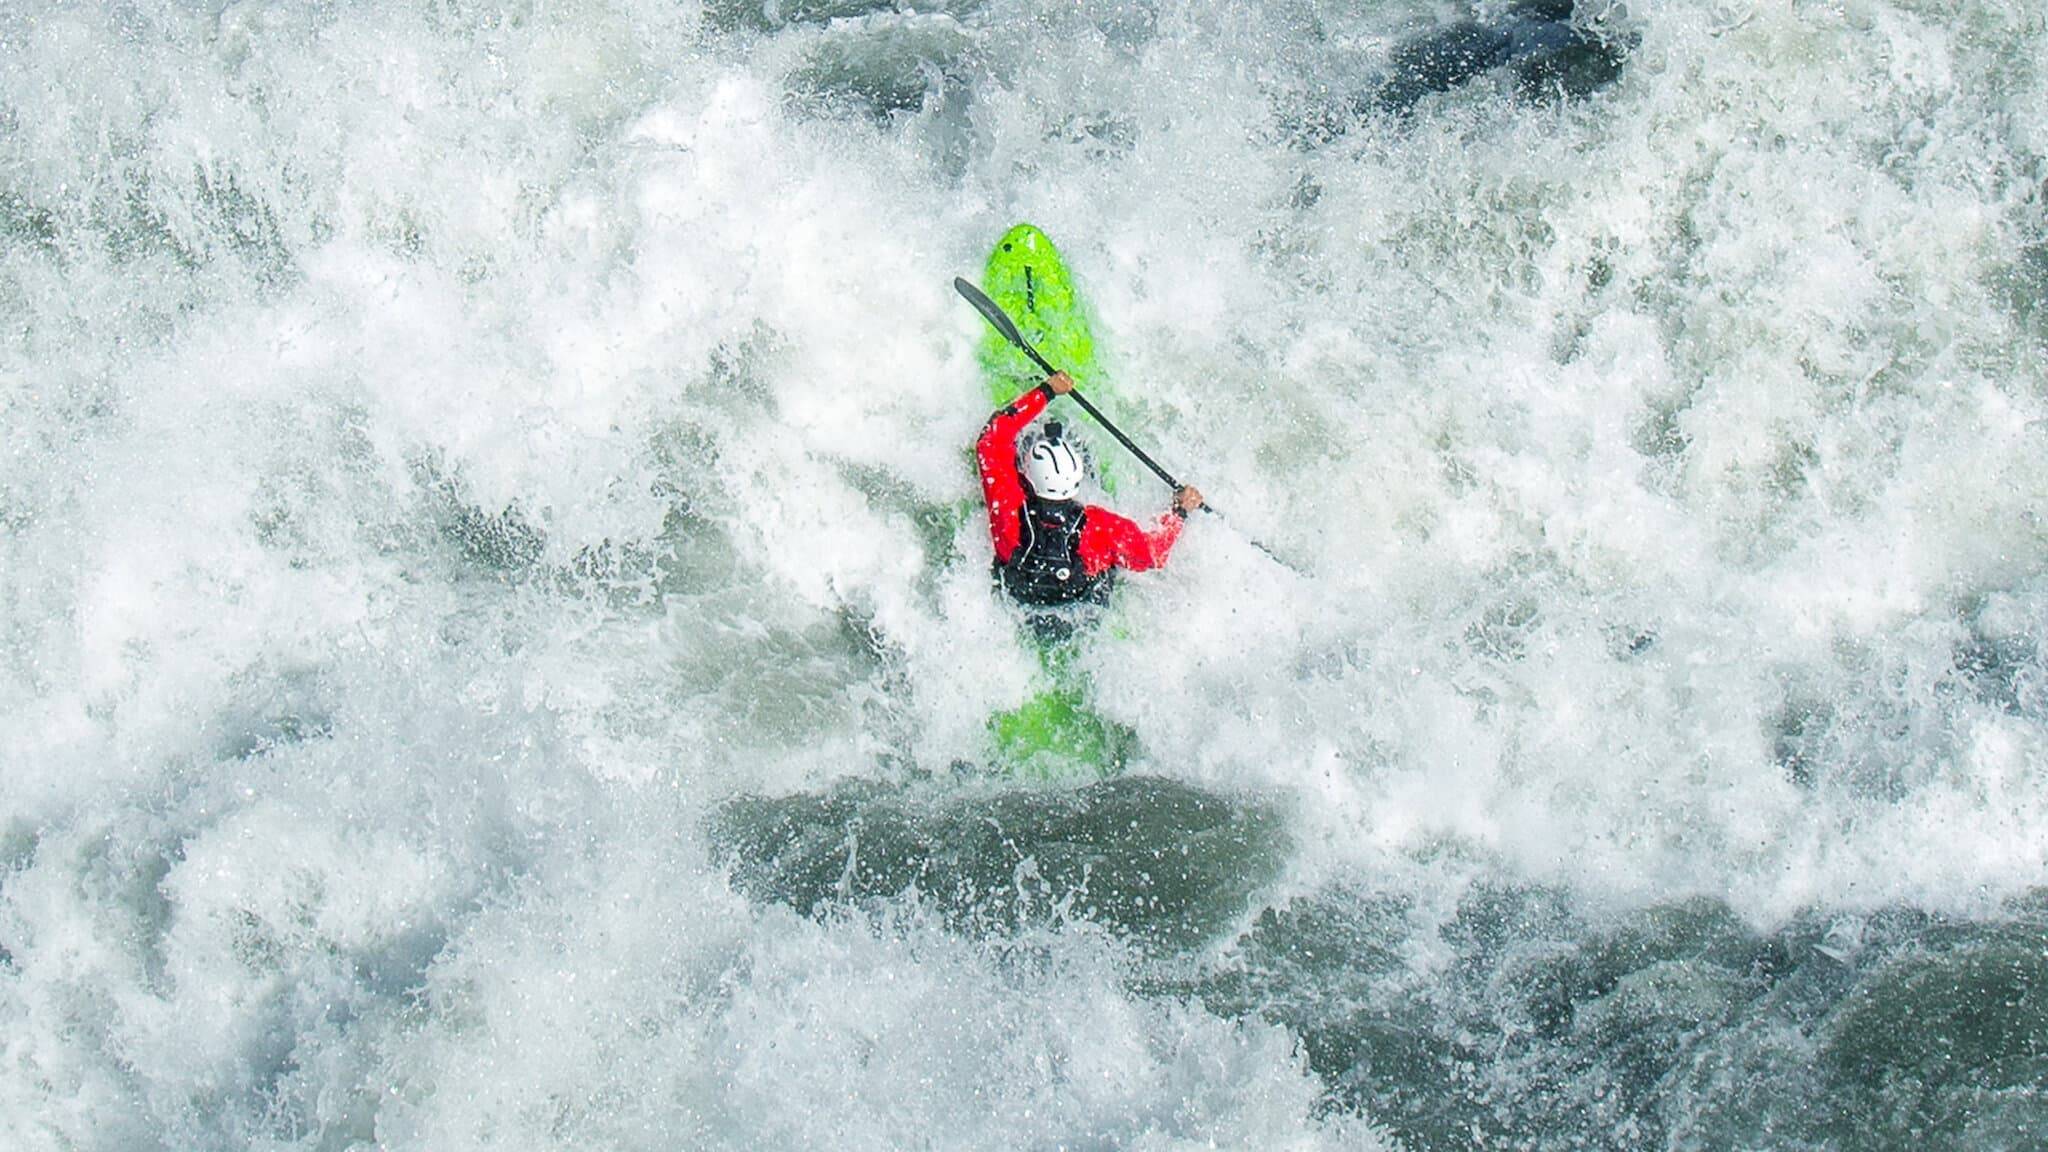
column 994, row 314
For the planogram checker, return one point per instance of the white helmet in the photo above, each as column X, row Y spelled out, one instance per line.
column 1051, row 468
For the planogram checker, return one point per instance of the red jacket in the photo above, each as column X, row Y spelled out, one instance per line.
column 1107, row 539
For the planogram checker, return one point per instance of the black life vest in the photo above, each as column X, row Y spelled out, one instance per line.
column 1046, row 570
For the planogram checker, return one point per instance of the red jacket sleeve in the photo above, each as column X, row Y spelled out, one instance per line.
column 1001, row 487
column 1108, row 540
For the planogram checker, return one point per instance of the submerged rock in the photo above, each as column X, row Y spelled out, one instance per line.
column 885, row 64
column 1548, row 53
column 1155, row 861
column 1537, row 50
column 1521, row 1021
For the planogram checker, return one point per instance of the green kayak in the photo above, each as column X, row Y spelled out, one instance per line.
column 1053, row 736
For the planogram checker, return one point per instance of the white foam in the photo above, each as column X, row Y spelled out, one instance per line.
column 1656, row 465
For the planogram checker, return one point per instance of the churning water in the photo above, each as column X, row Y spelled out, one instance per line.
column 491, row 655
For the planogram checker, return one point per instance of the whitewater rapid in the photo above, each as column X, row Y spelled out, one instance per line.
column 492, row 654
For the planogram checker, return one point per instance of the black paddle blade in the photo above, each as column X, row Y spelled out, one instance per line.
column 994, row 314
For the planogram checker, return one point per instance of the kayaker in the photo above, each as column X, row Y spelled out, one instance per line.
column 1052, row 550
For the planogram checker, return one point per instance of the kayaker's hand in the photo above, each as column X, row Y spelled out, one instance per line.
column 1187, row 499
column 1060, row 383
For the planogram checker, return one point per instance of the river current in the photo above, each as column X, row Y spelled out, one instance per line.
column 496, row 649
